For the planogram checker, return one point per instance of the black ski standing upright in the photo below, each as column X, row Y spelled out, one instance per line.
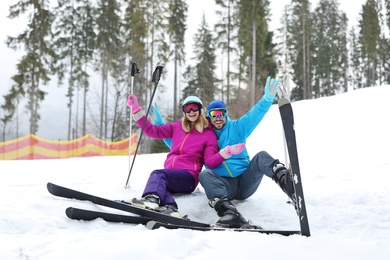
column 287, row 115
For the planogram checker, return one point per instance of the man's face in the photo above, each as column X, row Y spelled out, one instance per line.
column 218, row 117
column 218, row 122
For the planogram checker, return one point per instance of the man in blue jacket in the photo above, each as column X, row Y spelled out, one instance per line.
column 239, row 177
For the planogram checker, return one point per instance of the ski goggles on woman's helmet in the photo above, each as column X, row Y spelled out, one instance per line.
column 191, row 106
column 217, row 113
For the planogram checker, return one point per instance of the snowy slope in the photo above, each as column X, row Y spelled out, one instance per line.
column 343, row 149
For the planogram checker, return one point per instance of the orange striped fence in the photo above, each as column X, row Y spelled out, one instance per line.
column 30, row 147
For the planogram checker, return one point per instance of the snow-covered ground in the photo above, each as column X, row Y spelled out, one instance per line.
column 343, row 144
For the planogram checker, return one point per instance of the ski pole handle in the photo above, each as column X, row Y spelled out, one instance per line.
column 157, row 74
column 134, row 69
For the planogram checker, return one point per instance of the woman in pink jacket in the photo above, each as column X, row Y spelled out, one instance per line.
column 193, row 144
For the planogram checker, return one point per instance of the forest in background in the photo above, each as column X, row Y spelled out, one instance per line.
column 78, row 39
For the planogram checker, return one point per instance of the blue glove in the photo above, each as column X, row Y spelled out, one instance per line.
column 271, row 88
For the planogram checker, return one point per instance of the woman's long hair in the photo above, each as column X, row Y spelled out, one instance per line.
column 200, row 123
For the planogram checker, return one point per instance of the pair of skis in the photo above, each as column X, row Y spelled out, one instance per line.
column 150, row 218
column 153, row 219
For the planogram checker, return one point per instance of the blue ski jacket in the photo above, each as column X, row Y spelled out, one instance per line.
column 237, row 131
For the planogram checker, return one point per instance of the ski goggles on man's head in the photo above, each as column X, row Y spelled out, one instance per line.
column 217, row 113
column 191, row 106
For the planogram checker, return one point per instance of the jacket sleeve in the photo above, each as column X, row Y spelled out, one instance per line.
column 158, row 132
column 212, row 157
column 248, row 122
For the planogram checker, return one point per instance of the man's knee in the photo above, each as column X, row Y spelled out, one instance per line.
column 205, row 175
column 263, row 155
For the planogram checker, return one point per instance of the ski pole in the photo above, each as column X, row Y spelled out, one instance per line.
column 155, row 80
column 134, row 70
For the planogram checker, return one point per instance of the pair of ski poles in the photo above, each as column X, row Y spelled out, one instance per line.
column 155, row 79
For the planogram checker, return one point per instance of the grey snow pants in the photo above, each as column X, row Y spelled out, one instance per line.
column 241, row 187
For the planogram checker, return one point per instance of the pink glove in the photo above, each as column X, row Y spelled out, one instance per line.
column 232, row 149
column 133, row 102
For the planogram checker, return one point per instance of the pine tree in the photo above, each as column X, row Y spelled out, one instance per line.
column 135, row 27
column 259, row 51
column 370, row 39
column 118, row 118
column 384, row 58
column 36, row 66
column 74, row 46
column 387, row 9
column 385, row 51
column 157, row 13
column 299, row 42
column 177, row 28
column 87, row 47
column 355, row 60
column 226, row 30
column 201, row 80
column 190, row 78
column 9, row 108
column 328, row 49
column 109, row 45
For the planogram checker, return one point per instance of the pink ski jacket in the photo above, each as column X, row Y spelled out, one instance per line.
column 190, row 150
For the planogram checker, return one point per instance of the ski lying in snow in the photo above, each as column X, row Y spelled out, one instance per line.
column 88, row 215
column 151, row 219
column 156, row 224
column 287, row 116
column 73, row 194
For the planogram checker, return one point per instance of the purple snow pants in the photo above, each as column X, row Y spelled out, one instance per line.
column 165, row 182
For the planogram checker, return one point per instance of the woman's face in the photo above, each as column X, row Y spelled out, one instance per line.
column 192, row 116
column 192, row 111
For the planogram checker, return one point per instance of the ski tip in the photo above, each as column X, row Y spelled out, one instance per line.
column 49, row 186
column 69, row 212
column 151, row 225
column 52, row 188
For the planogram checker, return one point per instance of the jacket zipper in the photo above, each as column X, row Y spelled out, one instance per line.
column 181, row 150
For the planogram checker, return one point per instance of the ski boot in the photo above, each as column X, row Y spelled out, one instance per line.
column 230, row 217
column 150, row 201
column 170, row 210
column 285, row 181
